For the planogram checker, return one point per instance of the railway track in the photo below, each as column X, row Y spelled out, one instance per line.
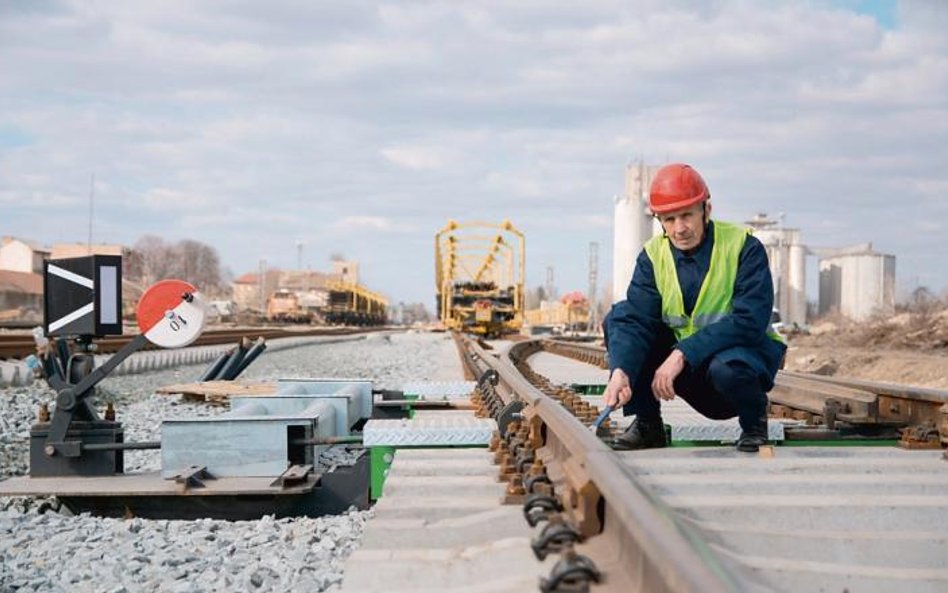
column 683, row 519
column 19, row 346
column 709, row 519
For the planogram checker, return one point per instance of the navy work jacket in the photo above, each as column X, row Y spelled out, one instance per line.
column 631, row 327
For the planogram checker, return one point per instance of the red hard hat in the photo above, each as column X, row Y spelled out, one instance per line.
column 676, row 186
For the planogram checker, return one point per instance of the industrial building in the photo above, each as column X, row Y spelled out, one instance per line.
column 855, row 282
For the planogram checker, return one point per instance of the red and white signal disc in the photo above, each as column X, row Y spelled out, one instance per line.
column 171, row 314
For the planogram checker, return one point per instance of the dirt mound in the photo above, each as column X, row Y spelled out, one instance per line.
column 906, row 331
column 909, row 348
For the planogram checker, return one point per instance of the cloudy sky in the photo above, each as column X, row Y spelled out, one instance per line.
column 362, row 127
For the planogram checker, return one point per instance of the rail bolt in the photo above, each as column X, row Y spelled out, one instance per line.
column 571, row 574
column 489, row 377
column 540, row 507
column 555, row 536
column 531, row 483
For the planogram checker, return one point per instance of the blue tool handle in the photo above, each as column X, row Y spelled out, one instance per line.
column 603, row 415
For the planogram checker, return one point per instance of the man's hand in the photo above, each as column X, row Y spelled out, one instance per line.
column 618, row 391
column 663, row 383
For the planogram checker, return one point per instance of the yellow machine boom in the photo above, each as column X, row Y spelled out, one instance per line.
column 479, row 277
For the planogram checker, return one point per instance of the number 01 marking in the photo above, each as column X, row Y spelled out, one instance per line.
column 176, row 321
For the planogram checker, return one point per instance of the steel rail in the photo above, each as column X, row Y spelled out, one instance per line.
column 643, row 541
column 880, row 388
column 597, row 355
column 13, row 346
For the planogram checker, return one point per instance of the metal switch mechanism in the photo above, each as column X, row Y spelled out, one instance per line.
column 76, row 440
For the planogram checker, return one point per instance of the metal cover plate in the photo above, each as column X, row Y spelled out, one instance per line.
column 430, row 430
column 150, row 484
column 688, row 425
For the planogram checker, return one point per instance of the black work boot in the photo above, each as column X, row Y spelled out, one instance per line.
column 753, row 437
column 641, row 434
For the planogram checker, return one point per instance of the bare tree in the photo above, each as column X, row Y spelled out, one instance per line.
column 189, row 260
column 154, row 256
column 202, row 266
column 923, row 300
column 414, row 313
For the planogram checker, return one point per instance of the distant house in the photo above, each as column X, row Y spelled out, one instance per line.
column 247, row 293
column 21, row 280
column 21, row 295
column 69, row 250
column 20, row 255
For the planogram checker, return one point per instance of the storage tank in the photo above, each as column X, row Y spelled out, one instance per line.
column 633, row 225
column 858, row 284
column 787, row 256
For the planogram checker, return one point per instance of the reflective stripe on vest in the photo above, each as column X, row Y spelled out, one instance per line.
column 717, row 289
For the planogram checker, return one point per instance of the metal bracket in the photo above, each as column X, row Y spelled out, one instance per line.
column 922, row 436
column 831, row 409
column 489, row 377
column 192, row 477
column 295, row 474
column 508, row 414
column 571, row 574
column 525, row 459
column 71, row 400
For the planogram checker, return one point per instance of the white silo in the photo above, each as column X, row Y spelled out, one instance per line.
column 796, row 294
column 857, row 282
column 787, row 258
column 633, row 225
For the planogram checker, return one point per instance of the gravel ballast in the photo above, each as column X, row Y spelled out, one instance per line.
column 42, row 549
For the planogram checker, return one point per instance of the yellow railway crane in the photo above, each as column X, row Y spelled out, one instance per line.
column 479, row 277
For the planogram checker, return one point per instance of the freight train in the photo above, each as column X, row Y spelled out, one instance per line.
column 352, row 304
column 343, row 304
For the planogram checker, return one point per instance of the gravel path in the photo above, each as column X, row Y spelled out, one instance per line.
column 44, row 550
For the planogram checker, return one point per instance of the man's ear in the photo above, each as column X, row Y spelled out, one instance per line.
column 707, row 211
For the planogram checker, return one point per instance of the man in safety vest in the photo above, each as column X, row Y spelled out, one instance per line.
column 695, row 322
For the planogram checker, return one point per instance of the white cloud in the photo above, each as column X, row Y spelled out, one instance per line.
column 350, row 223
column 172, row 201
column 416, row 158
column 381, row 224
column 247, row 124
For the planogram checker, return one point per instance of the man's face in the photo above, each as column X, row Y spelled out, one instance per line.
column 685, row 227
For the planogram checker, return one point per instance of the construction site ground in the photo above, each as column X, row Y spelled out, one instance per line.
column 910, row 348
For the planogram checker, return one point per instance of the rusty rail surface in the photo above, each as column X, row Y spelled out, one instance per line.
column 22, row 345
column 608, row 527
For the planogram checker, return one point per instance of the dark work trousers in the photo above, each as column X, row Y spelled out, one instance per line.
column 717, row 389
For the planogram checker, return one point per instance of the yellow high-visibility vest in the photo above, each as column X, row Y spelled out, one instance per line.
column 717, row 289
